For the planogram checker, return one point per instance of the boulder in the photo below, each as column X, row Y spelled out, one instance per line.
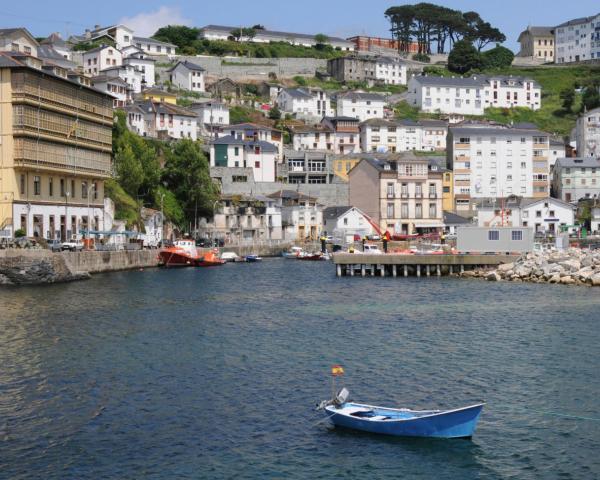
column 595, row 279
column 505, row 267
column 555, row 278
column 571, row 265
column 492, row 277
column 567, row 280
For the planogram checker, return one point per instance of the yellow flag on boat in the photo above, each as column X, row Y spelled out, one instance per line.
column 337, row 370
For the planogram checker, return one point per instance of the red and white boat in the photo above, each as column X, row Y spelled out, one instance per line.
column 211, row 259
column 183, row 253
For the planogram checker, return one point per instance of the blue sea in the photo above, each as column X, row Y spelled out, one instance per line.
column 214, row 373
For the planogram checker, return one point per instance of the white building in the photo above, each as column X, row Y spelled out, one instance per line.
column 360, row 105
column 378, row 135
column 577, row 40
column 390, row 70
column 211, row 114
column 136, row 120
column 471, row 96
column 188, row 76
column 496, row 161
column 252, row 131
column 231, row 151
column 99, row 58
column 128, row 73
column 154, row 47
column 545, row 215
column 55, row 41
column 588, row 134
column 307, row 103
column 343, row 223
column 18, row 40
column 114, row 85
column 222, row 32
column 433, row 135
column 301, row 215
column 144, row 64
column 333, row 134
column 153, row 227
column 160, row 119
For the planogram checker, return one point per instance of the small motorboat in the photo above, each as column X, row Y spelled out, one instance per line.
column 404, row 422
column 312, row 257
column 211, row 259
column 293, row 252
column 231, row 257
column 253, row 258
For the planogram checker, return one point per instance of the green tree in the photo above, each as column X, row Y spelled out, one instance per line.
column 321, row 39
column 275, row 113
column 187, row 175
column 179, row 35
column 171, row 207
column 567, row 97
column 129, row 171
column 497, row 57
column 464, row 57
column 591, row 97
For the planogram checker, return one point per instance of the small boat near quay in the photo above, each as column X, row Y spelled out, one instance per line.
column 252, row 258
column 312, row 257
column 211, row 259
column 231, row 257
column 292, row 253
column 404, row 422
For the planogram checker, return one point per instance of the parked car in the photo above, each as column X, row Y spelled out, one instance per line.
column 374, row 237
column 372, row 249
column 73, row 245
column 54, row 245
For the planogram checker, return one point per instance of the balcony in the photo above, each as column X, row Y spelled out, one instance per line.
column 462, row 145
column 418, row 194
column 433, row 195
column 391, row 195
column 404, row 195
column 540, row 146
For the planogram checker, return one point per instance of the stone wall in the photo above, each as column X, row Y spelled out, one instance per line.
column 97, row 262
column 238, row 68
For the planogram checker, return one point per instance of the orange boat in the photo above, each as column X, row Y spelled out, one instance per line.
column 211, row 259
column 183, row 253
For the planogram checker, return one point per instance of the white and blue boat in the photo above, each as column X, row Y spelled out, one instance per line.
column 403, row 422
column 253, row 258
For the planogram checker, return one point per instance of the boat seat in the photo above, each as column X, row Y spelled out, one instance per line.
column 380, row 417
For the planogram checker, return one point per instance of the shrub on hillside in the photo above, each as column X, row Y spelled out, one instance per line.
column 464, row 57
column 421, row 57
column 498, row 57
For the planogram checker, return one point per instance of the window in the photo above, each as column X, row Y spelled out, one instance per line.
column 404, row 210
column 73, row 188
column 390, row 210
column 493, row 235
column 236, row 151
column 62, row 187
column 257, row 164
column 432, row 210
column 390, row 190
column 516, row 235
column 22, row 184
column 37, row 188
column 50, row 187
column 418, row 210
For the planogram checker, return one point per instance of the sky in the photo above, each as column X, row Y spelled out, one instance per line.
column 342, row 18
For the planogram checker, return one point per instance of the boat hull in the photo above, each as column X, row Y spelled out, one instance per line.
column 174, row 259
column 459, row 423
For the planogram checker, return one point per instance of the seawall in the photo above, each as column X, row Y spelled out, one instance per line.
column 97, row 262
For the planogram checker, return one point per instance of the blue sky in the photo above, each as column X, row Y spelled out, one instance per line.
column 333, row 17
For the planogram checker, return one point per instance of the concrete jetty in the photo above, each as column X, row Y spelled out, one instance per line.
column 397, row 265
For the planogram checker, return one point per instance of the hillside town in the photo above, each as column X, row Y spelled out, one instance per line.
column 377, row 130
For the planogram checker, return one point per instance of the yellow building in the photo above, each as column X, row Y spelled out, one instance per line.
column 341, row 166
column 55, row 150
column 158, row 95
column 448, row 191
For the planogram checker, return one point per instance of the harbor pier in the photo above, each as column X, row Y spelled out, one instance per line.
column 397, row 265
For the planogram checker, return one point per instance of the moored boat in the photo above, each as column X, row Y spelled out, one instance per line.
column 315, row 257
column 231, row 257
column 211, row 259
column 253, row 258
column 183, row 253
column 293, row 252
column 454, row 423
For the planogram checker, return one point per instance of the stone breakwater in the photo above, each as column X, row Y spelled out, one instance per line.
column 34, row 267
column 569, row 267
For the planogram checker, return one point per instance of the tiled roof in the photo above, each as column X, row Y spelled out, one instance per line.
column 231, row 140
column 570, row 162
column 297, row 93
column 188, row 65
column 285, row 36
column 578, row 21
column 331, row 213
column 152, row 40
column 364, row 96
column 450, row 81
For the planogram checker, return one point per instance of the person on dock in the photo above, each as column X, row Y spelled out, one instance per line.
column 386, row 239
column 323, row 243
column 364, row 240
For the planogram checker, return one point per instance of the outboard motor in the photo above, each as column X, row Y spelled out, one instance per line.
column 341, row 397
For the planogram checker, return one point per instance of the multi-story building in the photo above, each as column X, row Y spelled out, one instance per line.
column 378, row 135
column 497, row 161
column 345, row 222
column 240, row 219
column 154, row 47
column 307, row 168
column 129, row 74
column 162, row 120
column 158, row 95
column 18, row 40
column 447, row 183
column 371, row 69
column 364, row 43
column 115, row 86
column 212, row 115
column 312, row 104
column 301, row 215
column 143, row 64
column 576, row 178
column 56, row 150
column 120, row 36
column 402, row 196
column 433, row 135
column 360, row 105
column 342, row 164
column 333, row 134
column 222, row 32
column 537, row 43
column 545, row 215
column 577, row 40
column 188, row 76
column 587, row 134
column 252, row 131
column 471, row 96
column 99, row 58
column 236, row 151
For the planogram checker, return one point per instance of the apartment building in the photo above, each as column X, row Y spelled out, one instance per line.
column 162, row 120
column 301, row 215
column 576, row 178
column 307, row 168
column 497, row 161
column 120, row 36
column 371, row 69
column 143, row 64
column 235, row 151
column 114, row 86
column 537, row 43
column 188, row 76
column 578, row 40
column 471, row 96
column 252, row 131
column 99, row 58
column 378, row 135
column 212, row 115
column 18, row 40
column 129, row 74
column 587, row 134
column 333, row 134
column 310, row 104
column 56, row 150
column 402, row 196
column 360, row 105
column 151, row 46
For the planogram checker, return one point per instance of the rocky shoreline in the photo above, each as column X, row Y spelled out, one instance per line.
column 569, row 267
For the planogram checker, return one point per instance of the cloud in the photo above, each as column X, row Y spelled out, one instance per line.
column 146, row 24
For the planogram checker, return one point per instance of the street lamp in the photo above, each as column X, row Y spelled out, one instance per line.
column 162, row 219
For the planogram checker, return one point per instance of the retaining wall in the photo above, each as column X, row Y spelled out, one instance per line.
column 96, row 262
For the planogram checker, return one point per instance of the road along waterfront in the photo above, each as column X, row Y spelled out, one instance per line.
column 214, row 373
